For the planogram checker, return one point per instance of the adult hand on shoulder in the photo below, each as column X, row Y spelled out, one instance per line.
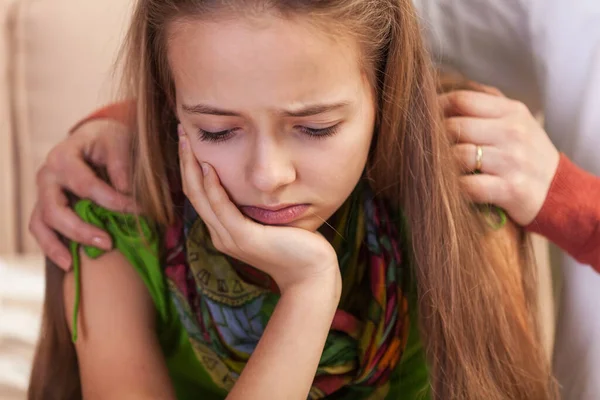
column 292, row 256
column 104, row 143
column 501, row 139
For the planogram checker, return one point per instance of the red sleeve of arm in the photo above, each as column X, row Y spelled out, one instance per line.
column 570, row 216
column 123, row 112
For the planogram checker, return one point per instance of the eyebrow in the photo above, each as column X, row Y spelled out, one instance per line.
column 306, row 111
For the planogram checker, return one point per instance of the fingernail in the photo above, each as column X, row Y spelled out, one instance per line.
column 101, row 242
column 182, row 141
column 204, row 168
column 180, row 131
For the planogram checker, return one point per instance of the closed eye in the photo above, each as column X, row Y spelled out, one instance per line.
column 319, row 133
column 208, row 136
column 316, row 133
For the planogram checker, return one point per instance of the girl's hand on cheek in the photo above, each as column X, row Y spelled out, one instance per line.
column 291, row 256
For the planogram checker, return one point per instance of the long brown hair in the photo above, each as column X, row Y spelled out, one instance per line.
column 476, row 287
column 55, row 373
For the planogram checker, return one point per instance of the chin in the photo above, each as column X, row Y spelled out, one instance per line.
column 309, row 224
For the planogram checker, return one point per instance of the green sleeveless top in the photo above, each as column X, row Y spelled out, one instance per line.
column 142, row 246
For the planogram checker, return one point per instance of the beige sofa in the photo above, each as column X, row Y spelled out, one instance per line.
column 56, row 63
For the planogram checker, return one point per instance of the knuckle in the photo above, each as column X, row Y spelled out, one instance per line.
column 519, row 157
column 41, row 176
column 118, row 165
column 450, row 124
column 517, row 131
column 519, row 106
column 517, row 186
column 219, row 210
column 461, row 99
column 78, row 186
column 508, row 158
column 455, row 96
column 55, row 158
column 47, row 216
column 453, row 126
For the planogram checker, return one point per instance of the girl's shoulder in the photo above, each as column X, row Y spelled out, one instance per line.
column 138, row 239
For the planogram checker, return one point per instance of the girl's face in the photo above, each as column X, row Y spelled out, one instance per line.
column 280, row 109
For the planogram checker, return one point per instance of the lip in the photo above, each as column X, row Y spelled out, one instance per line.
column 275, row 215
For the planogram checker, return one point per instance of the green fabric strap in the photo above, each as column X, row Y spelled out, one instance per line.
column 135, row 238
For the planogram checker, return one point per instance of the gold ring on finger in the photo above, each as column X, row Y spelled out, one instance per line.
column 478, row 157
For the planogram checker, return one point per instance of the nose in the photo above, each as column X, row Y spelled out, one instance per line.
column 271, row 165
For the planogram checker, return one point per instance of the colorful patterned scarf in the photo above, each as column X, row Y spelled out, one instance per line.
column 225, row 305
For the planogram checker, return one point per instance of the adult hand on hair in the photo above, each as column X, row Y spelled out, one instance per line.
column 292, row 256
column 102, row 143
column 517, row 160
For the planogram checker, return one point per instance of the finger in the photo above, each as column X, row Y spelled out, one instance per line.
column 219, row 200
column 242, row 232
column 492, row 90
column 192, row 180
column 474, row 104
column 190, row 172
column 485, row 189
column 480, row 87
column 479, row 131
column 79, row 179
column 49, row 242
column 466, row 155
column 60, row 217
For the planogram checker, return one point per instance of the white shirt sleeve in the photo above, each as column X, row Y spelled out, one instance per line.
column 545, row 53
column 489, row 41
column 566, row 47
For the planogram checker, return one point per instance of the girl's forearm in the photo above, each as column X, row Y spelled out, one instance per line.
column 284, row 363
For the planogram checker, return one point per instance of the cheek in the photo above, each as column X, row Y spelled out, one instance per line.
column 351, row 157
column 338, row 166
column 222, row 159
column 353, row 148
